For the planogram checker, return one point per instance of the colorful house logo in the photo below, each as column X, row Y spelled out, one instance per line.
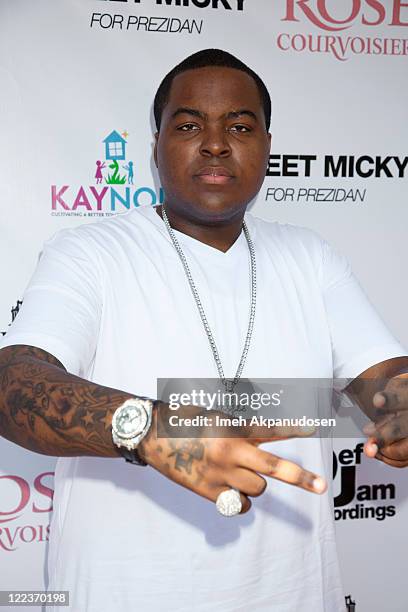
column 113, row 189
column 115, row 150
column 115, row 146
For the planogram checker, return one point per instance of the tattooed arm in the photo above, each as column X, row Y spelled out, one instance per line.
column 47, row 410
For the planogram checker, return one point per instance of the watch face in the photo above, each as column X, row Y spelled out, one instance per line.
column 131, row 421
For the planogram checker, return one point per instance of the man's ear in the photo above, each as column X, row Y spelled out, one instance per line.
column 156, row 138
column 269, row 149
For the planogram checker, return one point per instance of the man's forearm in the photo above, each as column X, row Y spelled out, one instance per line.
column 47, row 410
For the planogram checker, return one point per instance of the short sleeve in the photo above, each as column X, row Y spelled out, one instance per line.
column 62, row 304
column 359, row 337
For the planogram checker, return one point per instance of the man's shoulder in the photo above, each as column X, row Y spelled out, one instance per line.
column 103, row 232
column 108, row 226
column 285, row 235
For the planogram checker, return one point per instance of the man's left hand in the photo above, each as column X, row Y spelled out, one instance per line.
column 388, row 434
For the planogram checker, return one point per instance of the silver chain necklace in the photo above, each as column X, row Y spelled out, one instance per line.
column 229, row 384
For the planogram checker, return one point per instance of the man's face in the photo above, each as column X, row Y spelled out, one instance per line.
column 212, row 149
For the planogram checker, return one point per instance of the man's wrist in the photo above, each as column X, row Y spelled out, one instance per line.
column 131, row 424
column 145, row 445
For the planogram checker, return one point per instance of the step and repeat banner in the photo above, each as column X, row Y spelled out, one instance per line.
column 78, row 79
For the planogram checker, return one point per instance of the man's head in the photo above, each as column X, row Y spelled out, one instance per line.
column 204, row 59
column 212, row 145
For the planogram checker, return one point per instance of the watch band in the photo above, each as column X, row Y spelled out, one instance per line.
column 131, row 456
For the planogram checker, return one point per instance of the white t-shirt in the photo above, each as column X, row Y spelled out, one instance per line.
column 111, row 301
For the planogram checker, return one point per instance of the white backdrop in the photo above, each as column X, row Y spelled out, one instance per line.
column 76, row 72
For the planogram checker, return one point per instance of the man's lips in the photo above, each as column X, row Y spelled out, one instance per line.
column 216, row 175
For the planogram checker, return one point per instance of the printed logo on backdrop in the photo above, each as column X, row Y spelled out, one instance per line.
column 332, row 24
column 115, row 185
column 25, row 507
column 14, row 312
column 361, row 167
column 366, row 501
column 169, row 25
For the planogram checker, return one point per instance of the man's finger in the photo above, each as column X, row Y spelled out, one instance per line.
column 247, row 482
column 371, row 427
column 391, row 462
column 391, row 431
column 245, row 501
column 395, row 454
column 393, row 398
column 371, row 448
column 265, row 463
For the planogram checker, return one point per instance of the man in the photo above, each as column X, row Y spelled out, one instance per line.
column 171, row 292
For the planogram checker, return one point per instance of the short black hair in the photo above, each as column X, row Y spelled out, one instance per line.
column 203, row 59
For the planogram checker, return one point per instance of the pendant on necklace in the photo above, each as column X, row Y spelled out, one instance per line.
column 231, row 403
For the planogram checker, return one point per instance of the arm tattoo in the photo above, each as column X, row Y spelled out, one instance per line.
column 49, row 411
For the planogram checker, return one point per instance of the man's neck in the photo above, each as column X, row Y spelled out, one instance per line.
column 219, row 237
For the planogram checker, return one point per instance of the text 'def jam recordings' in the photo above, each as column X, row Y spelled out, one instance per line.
column 332, row 18
column 366, row 501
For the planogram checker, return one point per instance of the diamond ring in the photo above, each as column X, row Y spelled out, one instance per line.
column 229, row 502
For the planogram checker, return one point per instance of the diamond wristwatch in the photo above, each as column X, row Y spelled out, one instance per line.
column 131, row 422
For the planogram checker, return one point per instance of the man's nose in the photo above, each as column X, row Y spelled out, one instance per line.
column 215, row 142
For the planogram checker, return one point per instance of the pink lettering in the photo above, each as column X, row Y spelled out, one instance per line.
column 46, row 491
column 343, row 44
column 99, row 196
column 25, row 496
column 56, row 197
column 280, row 43
column 331, row 46
column 357, row 45
column 377, row 6
column 316, row 19
column 41, row 536
column 395, row 46
column 321, row 4
column 318, row 13
column 81, row 200
column 299, row 42
column 396, row 13
column 10, row 538
column 31, row 530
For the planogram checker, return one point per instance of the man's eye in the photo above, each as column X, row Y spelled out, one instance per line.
column 240, row 128
column 188, row 127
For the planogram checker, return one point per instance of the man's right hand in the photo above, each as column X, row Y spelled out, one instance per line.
column 209, row 465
